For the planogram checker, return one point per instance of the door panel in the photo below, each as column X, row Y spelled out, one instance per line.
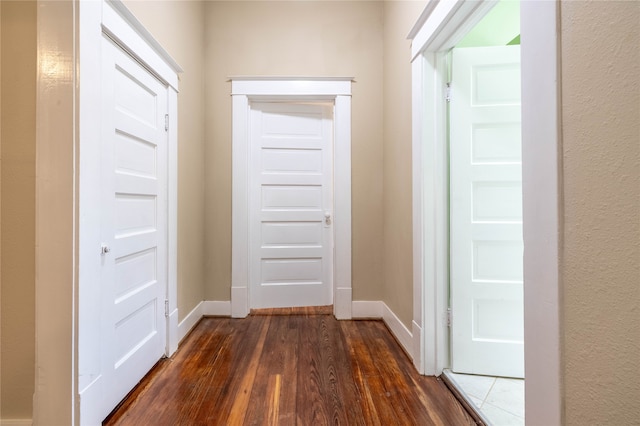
column 134, row 222
column 290, row 194
column 486, row 212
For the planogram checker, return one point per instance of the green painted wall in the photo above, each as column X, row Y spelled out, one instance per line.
column 501, row 26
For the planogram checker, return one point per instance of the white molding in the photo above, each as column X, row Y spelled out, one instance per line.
column 120, row 24
column 173, row 333
column 240, row 207
column 203, row 309
column 190, row 321
column 430, row 211
column 216, row 308
column 293, row 86
column 542, row 211
column 16, row 422
column 447, row 23
column 428, row 10
column 398, row 329
column 363, row 309
column 376, row 309
column 342, row 206
column 444, row 25
column 173, row 337
column 246, row 89
column 418, row 190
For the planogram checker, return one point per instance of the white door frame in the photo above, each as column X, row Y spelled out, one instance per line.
column 440, row 27
column 112, row 19
column 336, row 90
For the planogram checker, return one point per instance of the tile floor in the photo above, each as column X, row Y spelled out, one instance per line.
column 500, row 400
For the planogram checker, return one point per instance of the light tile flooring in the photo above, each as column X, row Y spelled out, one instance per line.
column 500, row 400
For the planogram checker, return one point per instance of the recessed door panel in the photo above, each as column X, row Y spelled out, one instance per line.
column 135, row 156
column 135, row 271
column 291, row 204
column 497, row 201
column 291, row 271
column 496, row 143
column 292, row 197
column 289, row 124
column 292, row 160
column 287, row 234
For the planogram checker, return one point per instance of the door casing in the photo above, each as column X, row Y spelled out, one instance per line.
column 440, row 27
column 282, row 89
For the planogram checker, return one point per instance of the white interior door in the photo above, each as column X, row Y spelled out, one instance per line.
column 486, row 212
column 291, row 205
column 134, row 221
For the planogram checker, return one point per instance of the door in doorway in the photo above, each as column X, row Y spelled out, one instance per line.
column 487, row 326
column 134, row 221
column 291, row 205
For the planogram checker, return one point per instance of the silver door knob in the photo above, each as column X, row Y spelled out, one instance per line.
column 327, row 219
column 105, row 249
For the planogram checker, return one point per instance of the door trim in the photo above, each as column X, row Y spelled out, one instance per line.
column 247, row 89
column 438, row 29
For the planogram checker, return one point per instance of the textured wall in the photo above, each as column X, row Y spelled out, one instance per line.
column 399, row 17
column 18, row 207
column 179, row 27
column 310, row 38
column 601, row 148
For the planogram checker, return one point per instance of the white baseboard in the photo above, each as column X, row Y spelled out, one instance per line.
column 398, row 329
column 205, row 308
column 376, row 309
column 362, row 309
column 192, row 318
column 216, row 308
column 16, row 422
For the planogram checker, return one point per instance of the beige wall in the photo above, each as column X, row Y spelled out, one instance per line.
column 179, row 27
column 399, row 17
column 311, row 38
column 601, row 254
column 18, row 207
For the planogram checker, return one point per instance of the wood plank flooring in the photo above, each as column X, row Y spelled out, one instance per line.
column 289, row 368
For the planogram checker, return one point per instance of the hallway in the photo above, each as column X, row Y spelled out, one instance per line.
column 304, row 368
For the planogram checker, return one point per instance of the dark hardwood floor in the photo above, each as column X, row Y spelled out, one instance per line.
column 286, row 367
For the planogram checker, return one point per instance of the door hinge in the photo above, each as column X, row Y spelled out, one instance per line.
column 166, row 122
column 447, row 93
column 166, row 307
column 448, row 317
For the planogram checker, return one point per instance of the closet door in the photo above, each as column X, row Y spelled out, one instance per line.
column 133, row 220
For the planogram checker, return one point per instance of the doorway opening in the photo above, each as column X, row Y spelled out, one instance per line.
column 440, row 28
column 252, row 91
column 485, row 217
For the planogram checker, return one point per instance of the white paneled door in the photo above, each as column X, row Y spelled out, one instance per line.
column 134, row 221
column 291, row 205
column 486, row 212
